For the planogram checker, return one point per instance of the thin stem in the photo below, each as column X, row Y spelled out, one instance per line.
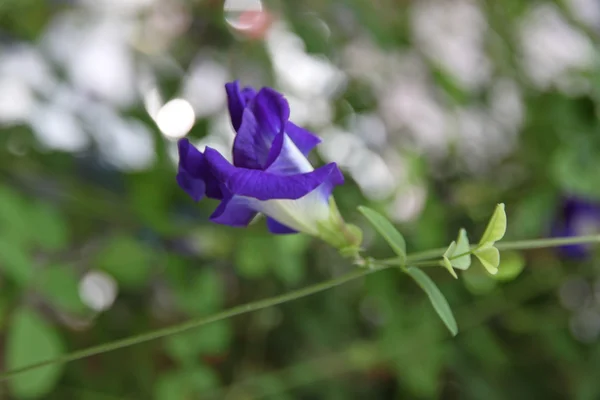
column 172, row 330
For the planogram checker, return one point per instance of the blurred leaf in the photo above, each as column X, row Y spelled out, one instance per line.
column 289, row 262
column 387, row 231
column 50, row 229
column 436, row 297
column 210, row 339
column 532, row 213
column 185, row 383
column 203, row 295
column 30, row 340
column 511, row 266
column 496, row 227
column 489, row 257
column 148, row 196
column 478, row 281
column 14, row 217
column 253, row 256
column 60, row 284
column 127, row 260
column 15, row 262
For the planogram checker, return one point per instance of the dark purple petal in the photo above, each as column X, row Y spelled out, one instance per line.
column 263, row 185
column 249, row 147
column 277, row 228
column 194, row 174
column 195, row 188
column 234, row 211
column 304, row 140
column 237, row 99
column 262, row 120
column 271, row 110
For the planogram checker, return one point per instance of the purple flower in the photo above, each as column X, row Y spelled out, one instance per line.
column 270, row 173
column 579, row 217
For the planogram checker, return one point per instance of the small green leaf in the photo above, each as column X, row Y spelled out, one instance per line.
column 31, row 340
column 436, row 297
column 450, row 250
column 489, row 257
column 448, row 266
column 463, row 251
column 387, row 230
column 496, row 227
column 458, row 254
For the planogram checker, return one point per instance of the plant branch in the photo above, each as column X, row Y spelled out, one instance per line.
column 413, row 259
column 195, row 323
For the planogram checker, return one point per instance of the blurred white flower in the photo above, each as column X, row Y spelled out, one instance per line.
column 553, row 51
column 587, row 11
column 452, row 33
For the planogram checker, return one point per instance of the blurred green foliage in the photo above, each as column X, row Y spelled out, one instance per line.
column 64, row 215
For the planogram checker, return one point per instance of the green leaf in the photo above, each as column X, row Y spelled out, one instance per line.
column 185, row 384
column 511, row 266
column 203, row 294
column 436, row 297
column 489, row 257
column 212, row 339
column 448, row 266
column 253, row 256
column 60, row 284
column 458, row 254
column 31, row 340
column 462, row 247
column 15, row 262
column 478, row 281
column 496, row 227
column 127, row 260
column 387, row 230
column 50, row 231
column 14, row 222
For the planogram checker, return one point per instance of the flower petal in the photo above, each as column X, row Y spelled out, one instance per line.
column 194, row 174
column 285, row 158
column 265, row 116
column 303, row 139
column 278, row 228
column 234, row 211
column 263, row 185
column 237, row 99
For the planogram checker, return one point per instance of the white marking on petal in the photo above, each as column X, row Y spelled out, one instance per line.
column 290, row 160
column 303, row 214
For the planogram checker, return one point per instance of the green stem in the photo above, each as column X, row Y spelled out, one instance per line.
column 172, row 330
column 516, row 245
column 413, row 259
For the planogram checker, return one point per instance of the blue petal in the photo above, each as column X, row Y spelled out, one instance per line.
column 194, row 174
column 237, row 99
column 278, row 228
column 234, row 211
column 263, row 185
column 303, row 139
column 264, row 117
